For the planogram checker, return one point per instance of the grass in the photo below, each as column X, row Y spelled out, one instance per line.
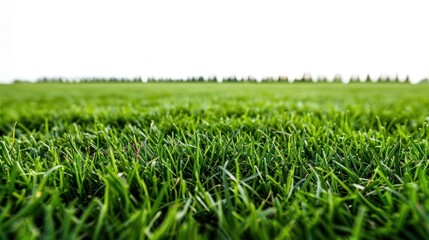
column 225, row 161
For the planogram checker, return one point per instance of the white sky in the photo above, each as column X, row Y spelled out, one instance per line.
column 184, row 38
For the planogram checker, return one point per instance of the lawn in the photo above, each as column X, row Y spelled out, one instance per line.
column 208, row 160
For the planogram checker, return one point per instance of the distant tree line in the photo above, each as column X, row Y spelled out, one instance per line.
column 85, row 80
column 306, row 78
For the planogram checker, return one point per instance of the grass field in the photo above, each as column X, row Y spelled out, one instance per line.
column 225, row 161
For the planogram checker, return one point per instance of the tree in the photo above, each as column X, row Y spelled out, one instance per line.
column 282, row 79
column 337, row 78
column 368, row 79
column 354, row 79
column 322, row 79
column 407, row 79
column 396, row 79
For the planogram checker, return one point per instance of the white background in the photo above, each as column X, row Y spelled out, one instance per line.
column 127, row 38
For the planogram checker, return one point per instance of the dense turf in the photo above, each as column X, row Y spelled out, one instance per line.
column 251, row 161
